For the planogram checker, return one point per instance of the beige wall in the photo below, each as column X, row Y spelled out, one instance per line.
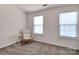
column 51, row 27
column 12, row 21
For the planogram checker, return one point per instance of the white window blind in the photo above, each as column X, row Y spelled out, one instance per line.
column 38, row 25
column 68, row 24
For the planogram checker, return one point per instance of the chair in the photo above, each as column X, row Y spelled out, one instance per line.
column 26, row 36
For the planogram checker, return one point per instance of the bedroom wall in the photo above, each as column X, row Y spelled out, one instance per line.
column 51, row 27
column 12, row 21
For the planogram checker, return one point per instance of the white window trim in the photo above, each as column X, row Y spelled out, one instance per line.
column 66, row 37
column 33, row 27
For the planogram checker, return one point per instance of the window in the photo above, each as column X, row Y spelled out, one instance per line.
column 38, row 24
column 68, row 24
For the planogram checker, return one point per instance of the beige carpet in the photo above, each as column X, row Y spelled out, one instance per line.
column 36, row 48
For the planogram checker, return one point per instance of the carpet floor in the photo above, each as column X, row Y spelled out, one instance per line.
column 36, row 48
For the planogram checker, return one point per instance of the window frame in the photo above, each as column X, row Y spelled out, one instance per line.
column 67, row 37
column 39, row 25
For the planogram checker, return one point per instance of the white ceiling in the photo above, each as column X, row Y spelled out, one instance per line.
column 36, row 7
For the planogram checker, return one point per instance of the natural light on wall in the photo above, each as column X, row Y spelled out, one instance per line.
column 68, row 24
column 38, row 25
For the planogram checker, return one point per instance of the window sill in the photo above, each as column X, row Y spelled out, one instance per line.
column 37, row 34
column 66, row 37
